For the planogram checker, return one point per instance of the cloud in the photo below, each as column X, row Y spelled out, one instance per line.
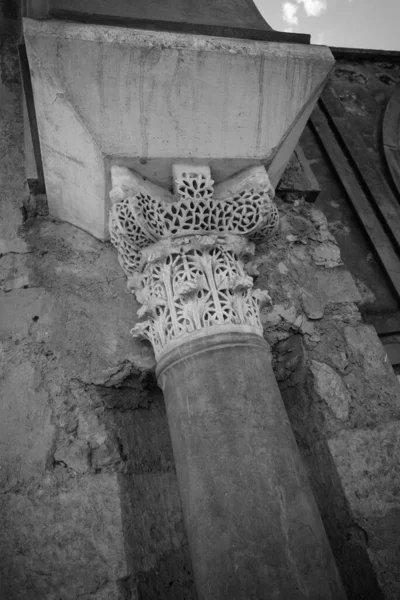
column 320, row 37
column 289, row 11
column 314, row 8
column 288, row 30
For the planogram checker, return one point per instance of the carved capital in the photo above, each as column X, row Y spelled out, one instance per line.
column 185, row 253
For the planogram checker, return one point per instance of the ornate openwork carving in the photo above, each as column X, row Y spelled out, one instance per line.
column 192, row 283
column 185, row 254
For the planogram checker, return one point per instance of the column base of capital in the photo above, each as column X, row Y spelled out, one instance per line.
column 207, row 339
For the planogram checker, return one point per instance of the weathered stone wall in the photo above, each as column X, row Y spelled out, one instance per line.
column 342, row 397
column 89, row 504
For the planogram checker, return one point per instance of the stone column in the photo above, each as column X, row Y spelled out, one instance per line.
column 253, row 527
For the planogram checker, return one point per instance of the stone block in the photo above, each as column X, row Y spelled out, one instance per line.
column 75, row 456
column 337, row 285
column 372, row 382
column 65, row 542
column 368, row 467
column 330, row 389
column 367, row 461
column 147, row 99
column 348, row 537
column 327, row 254
column 26, row 427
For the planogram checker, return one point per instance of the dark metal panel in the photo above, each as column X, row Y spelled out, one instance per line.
column 37, row 186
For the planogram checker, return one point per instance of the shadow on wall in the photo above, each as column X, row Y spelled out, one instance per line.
column 9, row 9
column 348, row 540
column 155, row 537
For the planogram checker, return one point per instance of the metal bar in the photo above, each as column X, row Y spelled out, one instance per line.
column 39, row 186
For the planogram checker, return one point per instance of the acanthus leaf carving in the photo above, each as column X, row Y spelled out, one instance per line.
column 185, row 255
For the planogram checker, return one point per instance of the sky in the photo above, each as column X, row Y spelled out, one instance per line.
column 348, row 23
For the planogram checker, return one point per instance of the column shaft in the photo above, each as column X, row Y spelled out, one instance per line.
column 253, row 526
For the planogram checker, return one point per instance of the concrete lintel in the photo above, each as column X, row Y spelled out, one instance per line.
column 112, row 95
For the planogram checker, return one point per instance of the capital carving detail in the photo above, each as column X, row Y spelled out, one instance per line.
column 185, row 253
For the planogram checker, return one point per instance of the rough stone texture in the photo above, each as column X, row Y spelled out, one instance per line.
column 352, row 465
column 342, row 398
column 329, row 386
column 64, row 538
column 73, row 405
column 368, row 467
column 87, row 510
column 337, row 286
column 146, row 99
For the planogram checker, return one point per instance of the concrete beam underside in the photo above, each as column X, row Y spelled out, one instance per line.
column 147, row 99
